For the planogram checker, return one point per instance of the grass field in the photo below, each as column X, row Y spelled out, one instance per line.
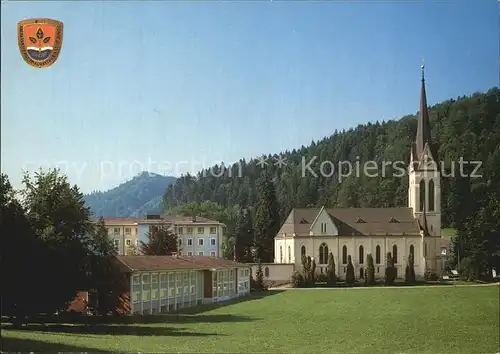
column 427, row 319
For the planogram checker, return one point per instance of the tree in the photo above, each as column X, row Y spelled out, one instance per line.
column 307, row 270
column 410, row 270
column 370, row 270
column 59, row 219
column 259, row 278
column 313, row 272
column 330, row 270
column 161, row 242
column 266, row 222
column 350, row 277
column 390, row 270
column 243, row 236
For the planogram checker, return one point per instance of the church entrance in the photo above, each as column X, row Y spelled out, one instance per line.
column 361, row 273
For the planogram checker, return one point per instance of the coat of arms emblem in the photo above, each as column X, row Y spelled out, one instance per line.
column 40, row 41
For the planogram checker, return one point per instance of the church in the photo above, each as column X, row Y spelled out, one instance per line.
column 357, row 232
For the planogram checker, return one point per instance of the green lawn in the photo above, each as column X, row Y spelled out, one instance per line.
column 426, row 319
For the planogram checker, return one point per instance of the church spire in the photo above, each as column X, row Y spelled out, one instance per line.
column 423, row 136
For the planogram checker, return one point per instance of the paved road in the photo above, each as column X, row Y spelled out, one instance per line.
column 388, row 287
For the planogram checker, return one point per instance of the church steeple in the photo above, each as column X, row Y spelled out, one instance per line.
column 423, row 136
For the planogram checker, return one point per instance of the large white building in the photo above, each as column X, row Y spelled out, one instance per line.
column 197, row 236
column 357, row 232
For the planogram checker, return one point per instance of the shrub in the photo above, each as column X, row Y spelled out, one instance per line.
column 410, row 270
column 349, row 277
column 298, row 280
column 259, row 278
column 330, row 271
column 390, row 270
column 313, row 272
column 321, row 278
column 306, row 270
column 370, row 270
column 430, row 276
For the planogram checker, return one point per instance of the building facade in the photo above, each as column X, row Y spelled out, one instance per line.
column 162, row 284
column 124, row 233
column 197, row 236
column 357, row 232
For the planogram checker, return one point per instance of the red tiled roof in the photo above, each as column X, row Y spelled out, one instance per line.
column 121, row 220
column 145, row 263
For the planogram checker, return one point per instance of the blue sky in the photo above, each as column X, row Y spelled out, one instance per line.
column 148, row 85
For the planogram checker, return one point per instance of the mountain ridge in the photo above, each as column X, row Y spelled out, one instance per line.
column 137, row 197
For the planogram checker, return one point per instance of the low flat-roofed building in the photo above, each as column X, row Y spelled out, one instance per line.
column 162, row 284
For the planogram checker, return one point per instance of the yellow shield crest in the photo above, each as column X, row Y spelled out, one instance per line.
column 40, row 41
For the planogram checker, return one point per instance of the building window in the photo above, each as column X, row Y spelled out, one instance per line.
column 212, row 241
column 361, row 273
column 344, row 255
column 323, row 253
column 422, row 195
column 200, row 242
column 117, row 243
column 266, row 272
column 128, row 231
column 116, row 230
column 377, row 254
column 431, row 195
column 361, row 255
column 302, row 251
column 190, row 230
column 180, row 230
column 190, row 241
column 281, row 254
column 412, row 251
column 323, row 228
column 201, row 230
column 395, row 254
column 190, row 253
column 289, row 255
column 135, row 231
column 213, row 230
column 128, row 242
column 180, row 241
column 200, row 253
column 212, row 254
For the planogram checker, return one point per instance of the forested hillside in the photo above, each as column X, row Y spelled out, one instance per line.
column 137, row 197
column 468, row 128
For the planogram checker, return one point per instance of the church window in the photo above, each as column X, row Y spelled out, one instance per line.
column 323, row 254
column 361, row 255
column 395, row 254
column 281, row 254
column 412, row 251
column 344, row 255
column 422, row 195
column 377, row 254
column 266, row 272
column 431, row 195
column 323, row 228
column 303, row 251
column 289, row 255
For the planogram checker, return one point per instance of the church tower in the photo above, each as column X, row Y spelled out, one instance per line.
column 424, row 188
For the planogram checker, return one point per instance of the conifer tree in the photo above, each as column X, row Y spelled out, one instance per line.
column 370, row 270
column 390, row 270
column 410, row 270
column 259, row 278
column 350, row 277
column 330, row 271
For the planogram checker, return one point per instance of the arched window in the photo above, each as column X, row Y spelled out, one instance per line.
column 395, row 254
column 323, row 254
column 377, row 254
column 431, row 195
column 289, row 255
column 361, row 255
column 422, row 195
column 266, row 272
column 344, row 255
column 302, row 251
column 281, row 254
column 412, row 251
